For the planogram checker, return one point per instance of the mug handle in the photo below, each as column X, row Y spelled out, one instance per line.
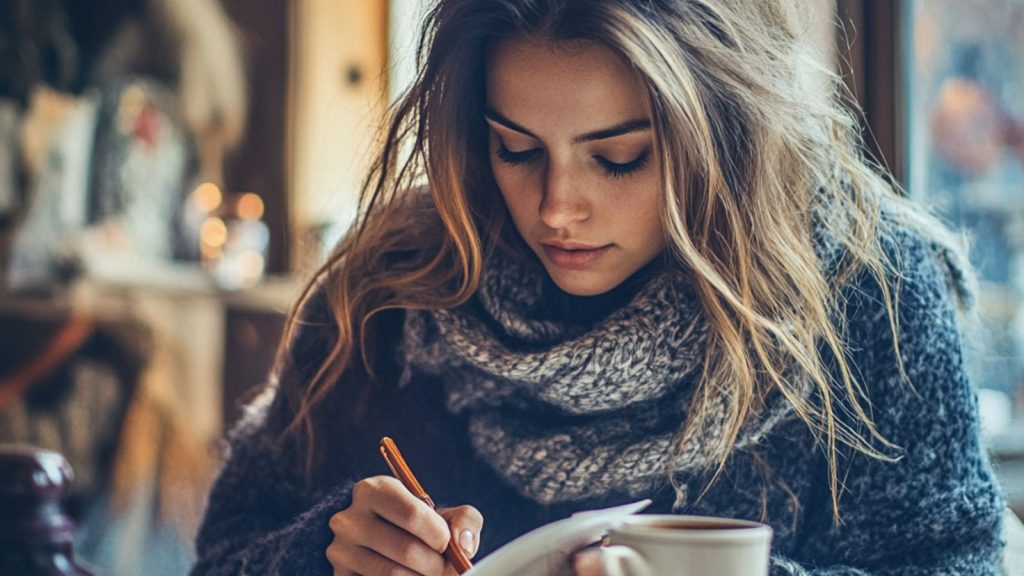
column 624, row 561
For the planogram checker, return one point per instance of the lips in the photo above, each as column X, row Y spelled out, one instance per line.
column 574, row 256
column 571, row 245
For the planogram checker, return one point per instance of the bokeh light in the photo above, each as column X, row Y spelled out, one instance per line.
column 207, row 197
column 213, row 232
column 250, row 206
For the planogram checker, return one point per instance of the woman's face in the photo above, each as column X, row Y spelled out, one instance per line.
column 571, row 150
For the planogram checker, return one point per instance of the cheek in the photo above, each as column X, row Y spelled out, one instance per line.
column 515, row 185
column 638, row 208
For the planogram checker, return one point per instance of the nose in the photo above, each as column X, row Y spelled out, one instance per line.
column 562, row 203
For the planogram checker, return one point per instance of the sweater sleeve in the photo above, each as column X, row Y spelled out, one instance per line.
column 937, row 510
column 255, row 522
column 261, row 515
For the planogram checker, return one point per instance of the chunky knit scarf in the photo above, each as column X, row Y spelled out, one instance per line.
column 566, row 401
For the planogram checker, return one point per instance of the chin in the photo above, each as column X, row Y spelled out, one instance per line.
column 583, row 283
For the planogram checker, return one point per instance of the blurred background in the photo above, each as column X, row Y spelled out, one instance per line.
column 171, row 171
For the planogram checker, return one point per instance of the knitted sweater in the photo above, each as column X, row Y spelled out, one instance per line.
column 937, row 510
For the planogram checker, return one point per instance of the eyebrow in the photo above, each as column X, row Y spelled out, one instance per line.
column 619, row 129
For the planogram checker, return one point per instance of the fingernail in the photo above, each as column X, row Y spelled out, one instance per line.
column 467, row 542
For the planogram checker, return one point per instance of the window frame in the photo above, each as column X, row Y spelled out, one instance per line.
column 868, row 42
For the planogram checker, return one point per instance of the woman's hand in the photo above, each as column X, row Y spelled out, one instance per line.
column 387, row 530
column 609, row 560
column 588, row 562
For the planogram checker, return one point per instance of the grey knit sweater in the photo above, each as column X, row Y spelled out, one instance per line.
column 935, row 511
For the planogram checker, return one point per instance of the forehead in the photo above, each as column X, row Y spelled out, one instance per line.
column 546, row 83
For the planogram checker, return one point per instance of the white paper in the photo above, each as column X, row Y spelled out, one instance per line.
column 546, row 551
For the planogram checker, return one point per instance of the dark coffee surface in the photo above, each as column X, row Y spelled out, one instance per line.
column 696, row 526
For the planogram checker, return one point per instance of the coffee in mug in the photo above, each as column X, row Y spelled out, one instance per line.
column 656, row 545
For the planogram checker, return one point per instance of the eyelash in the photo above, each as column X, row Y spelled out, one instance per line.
column 611, row 169
column 516, row 158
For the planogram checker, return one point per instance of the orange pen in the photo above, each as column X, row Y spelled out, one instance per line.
column 399, row 469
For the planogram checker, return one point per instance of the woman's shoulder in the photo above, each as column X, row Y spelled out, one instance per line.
column 924, row 265
column 411, row 214
column 930, row 292
column 916, row 249
column 906, row 350
column 399, row 238
column 400, row 235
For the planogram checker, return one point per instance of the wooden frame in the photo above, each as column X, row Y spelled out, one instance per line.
column 258, row 165
column 870, row 60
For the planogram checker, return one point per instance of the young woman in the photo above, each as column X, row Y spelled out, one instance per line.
column 614, row 250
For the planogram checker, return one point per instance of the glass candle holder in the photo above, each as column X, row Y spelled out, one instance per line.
column 233, row 245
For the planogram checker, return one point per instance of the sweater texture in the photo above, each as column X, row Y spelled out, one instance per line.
column 935, row 510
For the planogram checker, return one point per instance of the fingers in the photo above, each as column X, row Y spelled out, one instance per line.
column 588, row 562
column 364, row 561
column 388, row 499
column 388, row 541
column 466, row 523
column 388, row 530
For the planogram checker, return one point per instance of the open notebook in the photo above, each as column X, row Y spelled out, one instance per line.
column 545, row 551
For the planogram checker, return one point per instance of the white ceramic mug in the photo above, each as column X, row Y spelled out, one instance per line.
column 659, row 545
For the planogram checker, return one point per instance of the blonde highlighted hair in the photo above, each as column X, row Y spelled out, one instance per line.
column 747, row 159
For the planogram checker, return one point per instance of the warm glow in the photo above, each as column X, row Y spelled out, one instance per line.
column 210, row 252
column 207, row 196
column 213, row 232
column 250, row 206
column 250, row 264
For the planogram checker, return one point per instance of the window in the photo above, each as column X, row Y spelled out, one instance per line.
column 964, row 130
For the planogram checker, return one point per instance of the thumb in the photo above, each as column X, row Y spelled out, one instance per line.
column 465, row 522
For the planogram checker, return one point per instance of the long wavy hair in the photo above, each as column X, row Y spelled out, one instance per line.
column 747, row 158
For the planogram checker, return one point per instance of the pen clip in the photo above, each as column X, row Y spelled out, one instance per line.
column 387, row 460
column 399, row 469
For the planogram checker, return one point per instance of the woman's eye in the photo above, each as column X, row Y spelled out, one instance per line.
column 616, row 170
column 517, row 158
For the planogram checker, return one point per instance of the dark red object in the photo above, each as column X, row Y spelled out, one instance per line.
column 36, row 536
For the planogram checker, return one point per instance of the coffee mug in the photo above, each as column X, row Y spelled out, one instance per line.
column 657, row 545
